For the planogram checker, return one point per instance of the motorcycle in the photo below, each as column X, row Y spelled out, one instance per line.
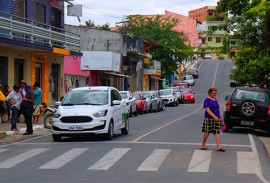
column 50, row 109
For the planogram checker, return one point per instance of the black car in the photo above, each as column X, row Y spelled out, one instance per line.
column 248, row 107
column 194, row 72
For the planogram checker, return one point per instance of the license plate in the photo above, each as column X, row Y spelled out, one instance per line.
column 75, row 127
column 249, row 123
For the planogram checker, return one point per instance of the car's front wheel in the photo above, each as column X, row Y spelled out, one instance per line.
column 125, row 130
column 56, row 137
column 109, row 135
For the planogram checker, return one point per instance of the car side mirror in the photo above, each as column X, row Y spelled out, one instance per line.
column 116, row 102
column 57, row 103
column 227, row 97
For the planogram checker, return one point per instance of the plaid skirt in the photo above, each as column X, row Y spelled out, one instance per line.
column 211, row 126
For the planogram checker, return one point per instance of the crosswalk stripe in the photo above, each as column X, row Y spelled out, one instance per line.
column 109, row 159
column 200, row 161
column 154, row 160
column 3, row 150
column 21, row 157
column 244, row 162
column 64, row 158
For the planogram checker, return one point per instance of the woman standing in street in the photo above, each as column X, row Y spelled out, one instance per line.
column 14, row 99
column 211, row 122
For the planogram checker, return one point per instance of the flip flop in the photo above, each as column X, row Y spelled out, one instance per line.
column 221, row 150
column 204, row 148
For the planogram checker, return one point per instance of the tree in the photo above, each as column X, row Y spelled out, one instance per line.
column 250, row 23
column 91, row 23
column 159, row 29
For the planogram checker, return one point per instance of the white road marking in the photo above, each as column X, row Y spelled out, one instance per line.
column 200, row 161
column 21, row 157
column 154, row 160
column 3, row 150
column 244, row 162
column 258, row 168
column 109, row 159
column 64, row 158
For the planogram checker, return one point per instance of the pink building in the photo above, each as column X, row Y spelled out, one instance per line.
column 74, row 76
column 186, row 25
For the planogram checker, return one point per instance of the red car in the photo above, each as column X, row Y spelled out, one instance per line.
column 188, row 95
column 140, row 102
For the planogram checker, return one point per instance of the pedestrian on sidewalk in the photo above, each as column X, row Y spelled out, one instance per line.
column 211, row 122
column 27, row 109
column 37, row 102
column 3, row 105
column 6, row 92
column 15, row 100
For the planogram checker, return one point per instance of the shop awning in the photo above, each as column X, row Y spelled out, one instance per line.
column 156, row 78
column 119, row 75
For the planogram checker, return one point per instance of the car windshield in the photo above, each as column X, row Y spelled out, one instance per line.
column 137, row 96
column 146, row 94
column 193, row 71
column 165, row 92
column 187, row 91
column 89, row 97
column 124, row 95
column 188, row 77
column 176, row 89
column 249, row 95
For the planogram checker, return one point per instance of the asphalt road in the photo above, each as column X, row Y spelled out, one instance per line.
column 161, row 147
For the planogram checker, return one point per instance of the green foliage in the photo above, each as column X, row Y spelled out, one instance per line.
column 91, row 23
column 249, row 20
column 214, row 18
column 159, row 29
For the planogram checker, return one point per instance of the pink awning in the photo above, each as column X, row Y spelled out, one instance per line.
column 55, row 4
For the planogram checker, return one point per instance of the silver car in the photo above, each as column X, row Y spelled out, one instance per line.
column 169, row 97
column 189, row 80
column 152, row 100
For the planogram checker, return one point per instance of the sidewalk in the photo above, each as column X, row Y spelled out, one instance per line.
column 8, row 136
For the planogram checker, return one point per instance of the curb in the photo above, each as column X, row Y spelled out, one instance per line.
column 21, row 130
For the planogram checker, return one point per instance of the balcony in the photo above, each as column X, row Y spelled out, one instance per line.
column 15, row 29
column 153, row 67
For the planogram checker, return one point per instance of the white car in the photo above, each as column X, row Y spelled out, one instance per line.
column 91, row 110
column 169, row 97
column 131, row 102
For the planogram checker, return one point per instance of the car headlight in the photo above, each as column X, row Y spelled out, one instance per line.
column 101, row 113
column 56, row 115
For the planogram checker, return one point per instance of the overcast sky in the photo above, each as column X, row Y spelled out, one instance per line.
column 112, row 11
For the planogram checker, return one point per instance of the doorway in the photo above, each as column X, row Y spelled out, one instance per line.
column 54, row 82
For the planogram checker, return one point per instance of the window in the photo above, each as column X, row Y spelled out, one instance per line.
column 210, row 39
column 40, row 13
column 20, row 8
column 218, row 40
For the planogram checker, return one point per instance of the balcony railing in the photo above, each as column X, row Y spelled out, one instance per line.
column 26, row 30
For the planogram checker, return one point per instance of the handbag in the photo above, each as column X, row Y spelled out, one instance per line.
column 222, row 125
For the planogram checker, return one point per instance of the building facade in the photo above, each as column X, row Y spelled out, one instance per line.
column 33, row 44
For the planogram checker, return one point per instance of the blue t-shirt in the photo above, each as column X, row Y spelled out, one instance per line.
column 38, row 94
column 213, row 106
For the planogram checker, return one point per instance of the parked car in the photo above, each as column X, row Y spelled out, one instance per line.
column 194, row 72
column 131, row 102
column 189, row 95
column 169, row 97
column 207, row 56
column 248, row 107
column 178, row 92
column 161, row 104
column 152, row 101
column 181, row 85
column 140, row 102
column 91, row 110
column 189, row 80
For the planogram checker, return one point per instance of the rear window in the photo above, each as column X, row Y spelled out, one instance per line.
column 249, row 95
